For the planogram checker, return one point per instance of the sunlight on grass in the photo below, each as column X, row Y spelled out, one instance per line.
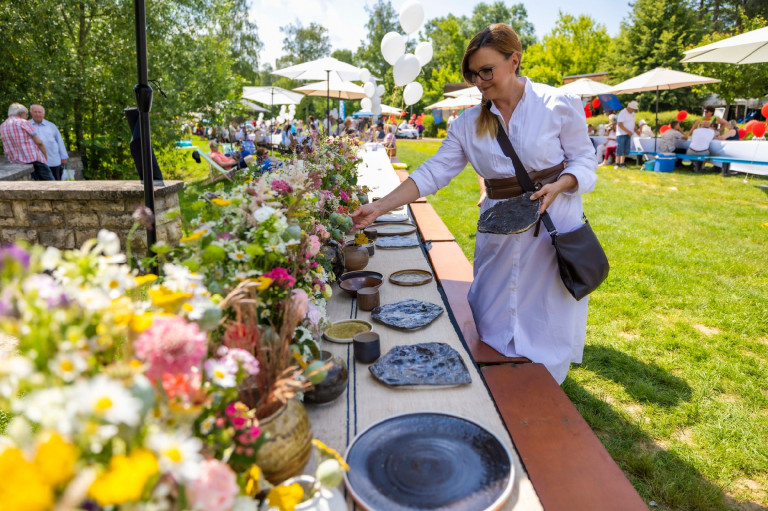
column 673, row 379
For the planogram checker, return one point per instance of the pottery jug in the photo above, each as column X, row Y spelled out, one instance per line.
column 334, row 383
column 331, row 250
column 355, row 257
column 289, row 442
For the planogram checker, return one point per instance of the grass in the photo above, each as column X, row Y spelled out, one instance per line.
column 673, row 379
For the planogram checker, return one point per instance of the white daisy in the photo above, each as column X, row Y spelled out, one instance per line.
column 51, row 258
column 51, row 408
column 108, row 400
column 222, row 371
column 239, row 255
column 263, row 213
column 68, row 365
column 108, row 242
column 177, row 454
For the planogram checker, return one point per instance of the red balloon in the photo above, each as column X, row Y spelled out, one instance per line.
column 664, row 128
column 742, row 133
column 588, row 113
column 595, row 102
column 759, row 129
column 750, row 125
column 764, row 110
column 681, row 115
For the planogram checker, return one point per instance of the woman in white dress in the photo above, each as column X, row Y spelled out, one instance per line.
column 520, row 305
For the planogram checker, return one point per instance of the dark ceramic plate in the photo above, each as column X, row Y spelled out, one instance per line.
column 362, row 273
column 394, row 229
column 389, row 217
column 428, row 461
column 426, row 365
column 397, row 242
column 409, row 314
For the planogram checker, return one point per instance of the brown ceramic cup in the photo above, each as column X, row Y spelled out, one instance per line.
column 367, row 298
column 371, row 234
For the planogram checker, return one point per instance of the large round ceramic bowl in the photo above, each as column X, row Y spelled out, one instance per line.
column 351, row 281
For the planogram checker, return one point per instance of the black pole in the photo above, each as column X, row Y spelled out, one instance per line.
column 657, row 119
column 143, row 94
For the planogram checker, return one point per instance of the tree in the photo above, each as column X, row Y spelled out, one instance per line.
column 344, row 55
column 382, row 19
column 245, row 43
column 730, row 15
column 576, row 45
column 449, row 35
column 658, row 33
column 515, row 15
column 304, row 44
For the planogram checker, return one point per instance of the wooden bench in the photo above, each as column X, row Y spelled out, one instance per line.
column 567, row 464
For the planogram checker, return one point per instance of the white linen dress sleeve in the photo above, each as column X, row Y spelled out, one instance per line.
column 449, row 160
column 579, row 153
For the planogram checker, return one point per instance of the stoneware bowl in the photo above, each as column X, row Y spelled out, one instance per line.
column 351, row 281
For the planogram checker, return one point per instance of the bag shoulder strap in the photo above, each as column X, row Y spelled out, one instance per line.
column 522, row 176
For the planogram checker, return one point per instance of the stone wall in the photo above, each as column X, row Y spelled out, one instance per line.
column 66, row 214
column 22, row 171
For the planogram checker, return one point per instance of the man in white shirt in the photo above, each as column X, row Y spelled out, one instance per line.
column 700, row 139
column 625, row 128
column 51, row 137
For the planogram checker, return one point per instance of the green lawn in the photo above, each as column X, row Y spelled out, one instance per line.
column 675, row 373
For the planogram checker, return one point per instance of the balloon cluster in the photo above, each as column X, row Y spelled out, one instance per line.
column 407, row 66
column 757, row 128
column 373, row 92
column 286, row 114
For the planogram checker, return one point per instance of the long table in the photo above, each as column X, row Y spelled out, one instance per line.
column 366, row 401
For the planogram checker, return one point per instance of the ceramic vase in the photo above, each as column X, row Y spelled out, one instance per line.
column 355, row 257
column 331, row 250
column 289, row 442
column 334, row 383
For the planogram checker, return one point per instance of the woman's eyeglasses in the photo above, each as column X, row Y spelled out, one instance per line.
column 486, row 74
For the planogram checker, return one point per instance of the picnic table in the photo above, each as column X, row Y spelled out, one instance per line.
column 366, row 401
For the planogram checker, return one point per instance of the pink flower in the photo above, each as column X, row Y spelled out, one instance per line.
column 216, row 488
column 314, row 245
column 281, row 186
column 171, row 345
column 343, row 195
column 281, row 277
column 301, row 300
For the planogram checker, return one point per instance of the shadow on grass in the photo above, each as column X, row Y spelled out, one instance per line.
column 656, row 473
column 647, row 383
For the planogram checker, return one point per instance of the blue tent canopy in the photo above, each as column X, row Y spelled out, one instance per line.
column 609, row 102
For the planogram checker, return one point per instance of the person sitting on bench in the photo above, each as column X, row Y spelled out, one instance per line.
column 700, row 139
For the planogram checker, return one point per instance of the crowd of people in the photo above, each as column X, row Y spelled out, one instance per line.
column 37, row 142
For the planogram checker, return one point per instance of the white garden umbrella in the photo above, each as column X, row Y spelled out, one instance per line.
column 469, row 91
column 458, row 102
column 658, row 79
column 253, row 107
column 321, row 69
column 271, row 96
column 336, row 87
column 747, row 48
column 586, row 88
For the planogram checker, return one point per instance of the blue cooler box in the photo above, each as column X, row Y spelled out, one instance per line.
column 664, row 163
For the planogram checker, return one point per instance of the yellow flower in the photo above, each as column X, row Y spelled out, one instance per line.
column 263, row 283
column 122, row 310
column 141, row 322
column 55, row 460
column 166, row 299
column 194, row 236
column 331, row 452
column 22, row 488
column 285, row 498
column 253, row 486
column 221, row 202
column 126, row 478
column 361, row 239
column 144, row 279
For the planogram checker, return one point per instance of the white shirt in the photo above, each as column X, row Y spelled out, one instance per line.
column 54, row 145
column 627, row 120
column 518, row 300
column 700, row 139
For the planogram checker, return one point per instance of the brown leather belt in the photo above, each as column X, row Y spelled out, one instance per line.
column 508, row 187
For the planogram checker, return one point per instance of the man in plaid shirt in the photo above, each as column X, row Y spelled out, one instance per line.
column 22, row 144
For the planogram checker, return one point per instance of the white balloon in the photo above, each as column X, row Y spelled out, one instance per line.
column 364, row 75
column 376, row 110
column 369, row 89
column 392, row 46
column 366, row 104
column 380, row 90
column 411, row 16
column 406, row 69
column 423, row 52
column 412, row 93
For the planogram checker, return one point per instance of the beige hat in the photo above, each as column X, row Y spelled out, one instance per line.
column 633, row 105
